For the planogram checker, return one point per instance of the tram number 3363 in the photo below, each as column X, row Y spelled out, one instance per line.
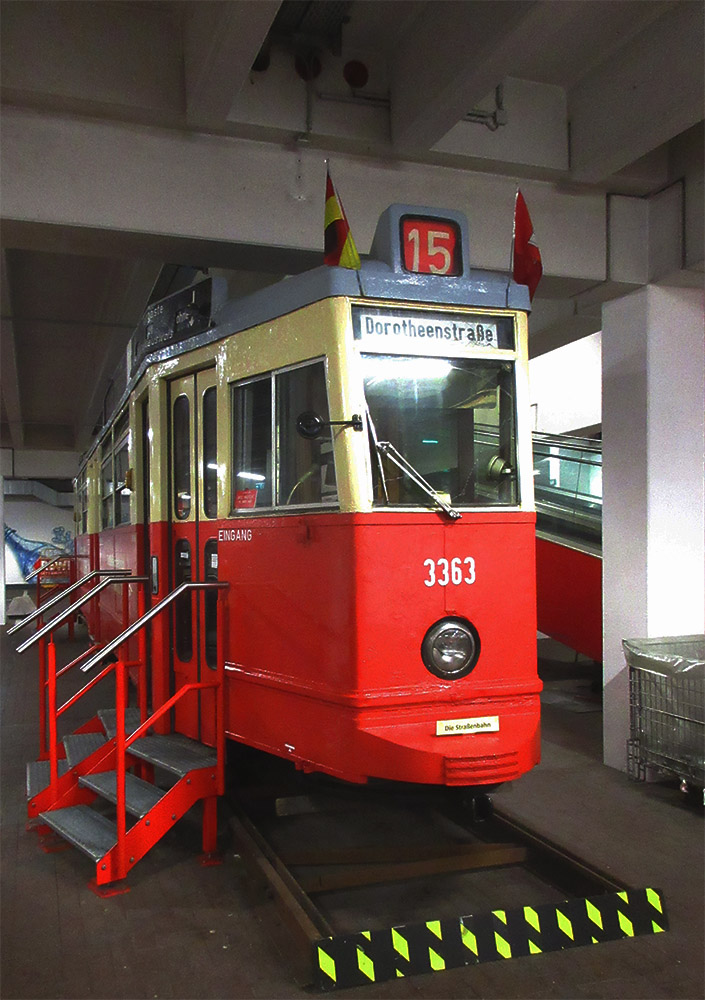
column 450, row 571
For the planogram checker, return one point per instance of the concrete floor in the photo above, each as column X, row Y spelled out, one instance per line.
column 186, row 931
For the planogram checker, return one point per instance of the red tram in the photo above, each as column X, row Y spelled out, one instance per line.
column 351, row 452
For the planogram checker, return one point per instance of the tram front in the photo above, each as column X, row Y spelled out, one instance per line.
column 447, row 686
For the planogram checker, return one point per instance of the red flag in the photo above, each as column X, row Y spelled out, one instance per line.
column 526, row 256
column 339, row 246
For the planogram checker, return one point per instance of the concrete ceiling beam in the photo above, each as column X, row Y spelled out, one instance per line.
column 455, row 54
column 640, row 97
column 221, row 42
column 110, row 176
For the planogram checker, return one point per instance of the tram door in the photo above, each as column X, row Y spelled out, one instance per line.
column 194, row 556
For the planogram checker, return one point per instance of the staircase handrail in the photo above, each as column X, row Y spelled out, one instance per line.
column 67, row 612
column 40, row 569
column 148, row 615
column 43, row 608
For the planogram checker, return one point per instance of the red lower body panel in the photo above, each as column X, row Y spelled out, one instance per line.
column 569, row 597
column 327, row 619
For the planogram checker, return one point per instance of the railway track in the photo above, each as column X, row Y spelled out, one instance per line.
column 373, row 887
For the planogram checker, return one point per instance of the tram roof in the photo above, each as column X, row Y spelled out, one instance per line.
column 382, row 275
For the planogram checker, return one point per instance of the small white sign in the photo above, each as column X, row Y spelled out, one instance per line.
column 433, row 334
column 456, row 727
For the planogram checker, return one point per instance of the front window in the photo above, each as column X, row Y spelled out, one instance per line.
column 453, row 420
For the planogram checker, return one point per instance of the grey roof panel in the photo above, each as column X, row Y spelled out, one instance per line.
column 286, row 296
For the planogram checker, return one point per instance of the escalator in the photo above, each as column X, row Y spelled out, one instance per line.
column 568, row 489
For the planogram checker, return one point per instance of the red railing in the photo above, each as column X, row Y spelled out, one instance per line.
column 123, row 742
column 118, row 866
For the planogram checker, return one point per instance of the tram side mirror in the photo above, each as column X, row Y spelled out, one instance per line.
column 497, row 468
column 310, row 425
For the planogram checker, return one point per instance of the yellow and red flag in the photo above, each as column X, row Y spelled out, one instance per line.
column 527, row 267
column 339, row 246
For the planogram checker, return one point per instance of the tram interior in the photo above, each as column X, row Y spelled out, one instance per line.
column 453, row 421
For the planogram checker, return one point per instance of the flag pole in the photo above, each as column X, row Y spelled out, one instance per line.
column 511, row 249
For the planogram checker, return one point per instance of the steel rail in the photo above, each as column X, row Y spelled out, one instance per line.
column 65, row 593
column 148, row 615
column 554, row 866
column 60, row 618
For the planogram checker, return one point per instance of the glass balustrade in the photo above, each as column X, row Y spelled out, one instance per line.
column 568, row 487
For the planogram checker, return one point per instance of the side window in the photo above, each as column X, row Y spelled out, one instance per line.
column 106, row 488
column 182, row 457
column 210, row 454
column 306, row 467
column 252, row 444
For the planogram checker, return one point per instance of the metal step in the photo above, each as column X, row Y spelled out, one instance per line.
column 175, row 753
column 140, row 796
column 84, row 828
column 107, row 718
column 81, row 745
column 39, row 775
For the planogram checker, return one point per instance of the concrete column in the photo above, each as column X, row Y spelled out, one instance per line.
column 653, row 533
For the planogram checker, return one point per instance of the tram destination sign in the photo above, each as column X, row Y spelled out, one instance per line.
column 436, row 334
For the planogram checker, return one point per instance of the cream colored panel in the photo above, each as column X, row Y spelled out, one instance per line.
column 525, row 455
column 158, row 456
column 93, row 484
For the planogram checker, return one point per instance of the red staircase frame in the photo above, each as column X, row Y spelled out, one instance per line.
column 201, row 783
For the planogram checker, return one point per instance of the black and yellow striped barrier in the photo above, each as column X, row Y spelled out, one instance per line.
column 407, row 950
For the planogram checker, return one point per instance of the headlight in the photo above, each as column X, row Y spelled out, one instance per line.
column 451, row 648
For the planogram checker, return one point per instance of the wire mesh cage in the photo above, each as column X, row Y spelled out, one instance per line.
column 667, row 707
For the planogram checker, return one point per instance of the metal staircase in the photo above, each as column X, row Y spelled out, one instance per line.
column 96, row 787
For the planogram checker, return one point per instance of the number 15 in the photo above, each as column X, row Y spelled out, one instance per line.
column 433, row 248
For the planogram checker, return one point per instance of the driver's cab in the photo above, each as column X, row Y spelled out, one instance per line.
column 275, row 465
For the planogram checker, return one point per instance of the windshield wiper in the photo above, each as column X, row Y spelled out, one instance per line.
column 378, row 453
column 387, row 449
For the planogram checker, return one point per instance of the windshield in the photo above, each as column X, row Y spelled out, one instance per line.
column 452, row 419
